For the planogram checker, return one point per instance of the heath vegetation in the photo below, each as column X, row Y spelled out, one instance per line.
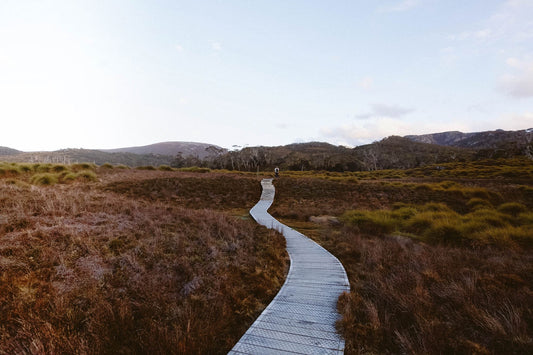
column 166, row 260
column 114, row 261
column 439, row 260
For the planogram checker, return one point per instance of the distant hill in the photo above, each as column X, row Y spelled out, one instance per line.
column 185, row 149
column 166, row 153
column 488, row 143
column 401, row 153
column 389, row 153
column 69, row 156
column 9, row 151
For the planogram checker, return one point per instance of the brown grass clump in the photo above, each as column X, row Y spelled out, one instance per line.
column 419, row 299
column 87, row 270
column 44, row 179
column 437, row 223
column 215, row 191
column 435, row 267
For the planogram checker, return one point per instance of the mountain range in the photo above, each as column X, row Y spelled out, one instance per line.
column 478, row 140
column 185, row 149
column 391, row 152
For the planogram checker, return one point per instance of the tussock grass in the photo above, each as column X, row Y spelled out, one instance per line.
column 197, row 191
column 146, row 167
column 84, row 269
column 165, row 168
column 195, row 169
column 438, row 262
column 48, row 174
column 83, row 166
column 437, row 223
column 44, row 179
column 87, row 175
column 421, row 299
column 107, row 166
column 512, row 208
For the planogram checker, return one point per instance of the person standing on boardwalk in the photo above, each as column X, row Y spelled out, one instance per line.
column 276, row 172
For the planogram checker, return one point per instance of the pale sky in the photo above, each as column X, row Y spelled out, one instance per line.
column 117, row 73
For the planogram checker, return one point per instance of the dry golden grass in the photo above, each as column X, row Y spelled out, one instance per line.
column 87, row 270
column 156, row 261
column 422, row 292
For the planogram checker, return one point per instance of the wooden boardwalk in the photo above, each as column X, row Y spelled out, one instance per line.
column 301, row 318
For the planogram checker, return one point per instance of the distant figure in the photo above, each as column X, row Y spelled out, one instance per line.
column 276, row 172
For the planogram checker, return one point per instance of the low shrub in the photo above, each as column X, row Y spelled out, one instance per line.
column 87, row 270
column 437, row 223
column 444, row 232
column 58, row 168
column 83, row 166
column 195, row 169
column 380, row 222
column 512, row 208
column 9, row 171
column 478, row 203
column 413, row 298
column 86, row 175
column 26, row 168
column 146, row 167
column 106, row 166
column 44, row 179
column 69, row 177
column 165, row 168
column 42, row 168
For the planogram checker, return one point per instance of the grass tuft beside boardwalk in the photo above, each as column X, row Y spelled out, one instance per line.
column 85, row 268
column 439, row 261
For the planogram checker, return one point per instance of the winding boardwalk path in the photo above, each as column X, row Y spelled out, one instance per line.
column 301, row 318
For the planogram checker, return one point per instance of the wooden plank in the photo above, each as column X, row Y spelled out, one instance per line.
column 301, row 318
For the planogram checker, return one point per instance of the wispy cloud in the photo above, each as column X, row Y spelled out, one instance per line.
column 178, row 48
column 512, row 22
column 519, row 84
column 399, row 6
column 479, row 34
column 385, row 110
column 371, row 130
column 519, row 120
column 216, row 46
column 366, row 82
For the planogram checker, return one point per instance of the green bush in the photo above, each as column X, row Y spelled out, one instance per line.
column 478, row 203
column 58, row 168
column 86, row 175
column 449, row 184
column 404, row 213
column 436, row 207
column 83, row 166
column 444, row 232
column 44, row 179
column 165, row 168
column 42, row 168
column 489, row 217
column 512, row 208
column 195, row 169
column 372, row 222
column 9, row 171
column 68, row 177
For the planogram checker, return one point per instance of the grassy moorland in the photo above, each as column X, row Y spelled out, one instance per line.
column 152, row 260
column 439, row 260
column 111, row 260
